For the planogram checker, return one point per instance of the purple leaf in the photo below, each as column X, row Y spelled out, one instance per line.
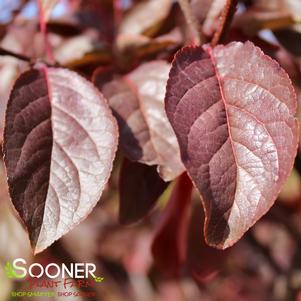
column 59, row 144
column 140, row 187
column 232, row 109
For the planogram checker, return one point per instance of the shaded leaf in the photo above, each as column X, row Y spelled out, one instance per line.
column 59, row 143
column 140, row 187
column 169, row 244
column 232, row 109
column 138, row 103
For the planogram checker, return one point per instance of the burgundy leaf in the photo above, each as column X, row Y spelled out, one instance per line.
column 59, row 143
column 140, row 187
column 232, row 109
column 169, row 244
column 138, row 104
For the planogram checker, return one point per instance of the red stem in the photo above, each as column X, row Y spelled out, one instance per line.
column 43, row 28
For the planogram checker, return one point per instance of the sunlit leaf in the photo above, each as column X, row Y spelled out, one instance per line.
column 59, row 143
column 232, row 109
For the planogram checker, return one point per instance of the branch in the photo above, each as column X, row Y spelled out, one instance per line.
column 226, row 19
column 25, row 58
column 16, row 55
column 191, row 20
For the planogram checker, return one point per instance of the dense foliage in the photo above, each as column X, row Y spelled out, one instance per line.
column 173, row 116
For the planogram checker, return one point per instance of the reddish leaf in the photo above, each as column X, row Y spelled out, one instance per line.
column 59, row 143
column 169, row 245
column 140, row 187
column 232, row 109
column 138, row 103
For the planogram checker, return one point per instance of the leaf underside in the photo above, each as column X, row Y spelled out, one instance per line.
column 59, row 143
column 232, row 109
